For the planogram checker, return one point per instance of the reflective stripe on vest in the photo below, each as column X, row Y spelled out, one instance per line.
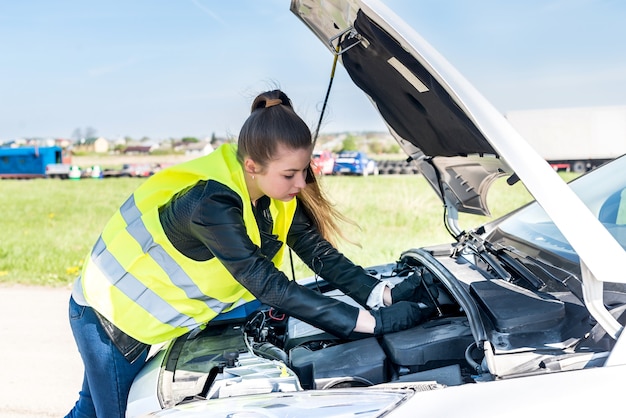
column 140, row 282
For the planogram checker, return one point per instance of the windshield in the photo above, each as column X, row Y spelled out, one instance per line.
column 603, row 191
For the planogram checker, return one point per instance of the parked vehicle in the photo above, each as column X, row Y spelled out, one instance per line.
column 28, row 162
column 139, row 170
column 354, row 162
column 574, row 139
column 528, row 310
column 58, row 171
column 323, row 162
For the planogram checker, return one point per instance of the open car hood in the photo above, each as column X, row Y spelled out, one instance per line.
column 459, row 141
column 415, row 98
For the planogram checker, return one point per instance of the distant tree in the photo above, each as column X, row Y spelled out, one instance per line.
column 90, row 132
column 189, row 140
column 349, row 143
column 77, row 135
column 376, row 147
column 393, row 149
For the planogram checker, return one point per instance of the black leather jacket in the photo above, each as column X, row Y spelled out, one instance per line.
column 206, row 221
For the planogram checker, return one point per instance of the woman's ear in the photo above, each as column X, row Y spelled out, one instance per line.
column 249, row 166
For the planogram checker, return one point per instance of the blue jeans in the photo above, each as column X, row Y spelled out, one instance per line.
column 108, row 375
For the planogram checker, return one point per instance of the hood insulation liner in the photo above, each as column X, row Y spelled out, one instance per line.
column 417, row 107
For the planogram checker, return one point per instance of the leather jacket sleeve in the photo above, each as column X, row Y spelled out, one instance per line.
column 218, row 223
column 326, row 261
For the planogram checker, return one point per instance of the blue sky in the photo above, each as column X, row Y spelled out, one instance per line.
column 164, row 68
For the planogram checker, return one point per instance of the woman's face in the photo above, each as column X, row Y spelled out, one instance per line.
column 282, row 178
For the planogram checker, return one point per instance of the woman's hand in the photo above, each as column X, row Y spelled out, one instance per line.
column 399, row 316
column 418, row 287
column 408, row 289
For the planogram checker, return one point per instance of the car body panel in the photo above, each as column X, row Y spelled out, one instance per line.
column 549, row 395
column 144, row 396
column 371, row 404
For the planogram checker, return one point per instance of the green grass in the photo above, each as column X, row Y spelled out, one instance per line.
column 396, row 213
column 49, row 226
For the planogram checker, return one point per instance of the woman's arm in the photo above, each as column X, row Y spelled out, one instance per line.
column 218, row 224
column 326, row 261
column 365, row 322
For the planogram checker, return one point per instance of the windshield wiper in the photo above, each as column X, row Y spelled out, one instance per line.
column 473, row 243
column 572, row 283
column 500, row 260
column 521, row 269
column 508, row 264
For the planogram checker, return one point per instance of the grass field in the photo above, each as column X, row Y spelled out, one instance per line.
column 49, row 226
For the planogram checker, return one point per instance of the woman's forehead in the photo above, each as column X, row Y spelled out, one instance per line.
column 297, row 157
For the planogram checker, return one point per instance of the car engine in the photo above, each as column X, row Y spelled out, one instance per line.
column 272, row 352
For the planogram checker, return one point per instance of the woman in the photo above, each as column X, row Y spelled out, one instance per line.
column 206, row 236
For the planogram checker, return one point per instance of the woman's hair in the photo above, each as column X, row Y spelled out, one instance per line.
column 273, row 121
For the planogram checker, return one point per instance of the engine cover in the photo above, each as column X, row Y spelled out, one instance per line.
column 353, row 364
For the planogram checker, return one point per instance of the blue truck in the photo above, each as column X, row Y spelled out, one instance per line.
column 28, row 162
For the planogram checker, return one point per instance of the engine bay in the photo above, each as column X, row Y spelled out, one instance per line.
column 270, row 351
column 267, row 351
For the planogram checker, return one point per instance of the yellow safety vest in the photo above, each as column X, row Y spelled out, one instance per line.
column 140, row 282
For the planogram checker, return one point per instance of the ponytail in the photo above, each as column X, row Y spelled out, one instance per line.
column 273, row 121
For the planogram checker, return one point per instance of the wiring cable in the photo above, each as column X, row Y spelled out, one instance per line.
column 330, row 84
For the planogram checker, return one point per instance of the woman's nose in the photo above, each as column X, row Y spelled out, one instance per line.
column 301, row 181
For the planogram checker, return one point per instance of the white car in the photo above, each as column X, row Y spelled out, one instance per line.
column 530, row 308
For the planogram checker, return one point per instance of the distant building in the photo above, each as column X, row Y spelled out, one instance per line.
column 99, row 145
column 194, row 148
column 63, row 142
column 138, row 149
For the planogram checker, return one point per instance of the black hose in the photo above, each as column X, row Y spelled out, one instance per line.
column 473, row 363
column 270, row 351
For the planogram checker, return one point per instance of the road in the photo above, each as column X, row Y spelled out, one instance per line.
column 41, row 371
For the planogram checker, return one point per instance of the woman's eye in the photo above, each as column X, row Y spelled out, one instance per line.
column 288, row 176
